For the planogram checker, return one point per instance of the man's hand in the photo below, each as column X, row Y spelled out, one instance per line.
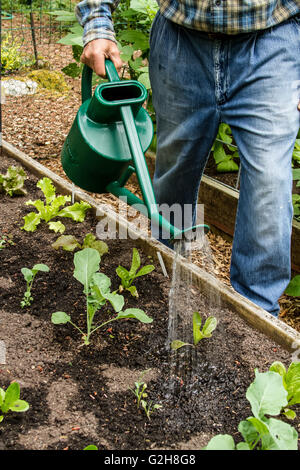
column 95, row 53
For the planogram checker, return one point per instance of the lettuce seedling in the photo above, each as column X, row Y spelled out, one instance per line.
column 70, row 243
column 12, row 181
column 198, row 332
column 291, row 382
column 127, row 277
column 96, row 287
column 267, row 396
column 141, row 395
column 29, row 276
column 54, row 206
column 10, row 400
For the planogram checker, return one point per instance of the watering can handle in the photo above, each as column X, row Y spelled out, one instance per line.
column 87, row 74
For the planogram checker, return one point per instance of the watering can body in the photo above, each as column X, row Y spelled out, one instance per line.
column 107, row 141
column 96, row 151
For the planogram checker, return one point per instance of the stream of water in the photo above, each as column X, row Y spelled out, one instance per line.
column 184, row 300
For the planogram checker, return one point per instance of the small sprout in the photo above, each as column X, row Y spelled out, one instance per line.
column 10, row 400
column 198, row 332
column 29, row 276
column 127, row 277
column 141, row 394
column 4, row 241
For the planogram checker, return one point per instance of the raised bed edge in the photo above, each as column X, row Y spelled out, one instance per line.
column 255, row 316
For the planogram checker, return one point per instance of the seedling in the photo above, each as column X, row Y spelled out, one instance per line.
column 291, row 383
column 70, row 243
column 127, row 277
column 140, row 388
column 141, row 394
column 10, row 400
column 267, row 396
column 12, row 181
column 4, row 241
column 29, row 276
column 149, row 407
column 54, row 206
column 96, row 288
column 198, row 332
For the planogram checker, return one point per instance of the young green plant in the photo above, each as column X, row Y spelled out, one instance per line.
column 54, row 206
column 128, row 277
column 141, row 395
column 291, row 383
column 10, row 400
column 267, row 397
column 198, row 332
column 29, row 276
column 70, row 243
column 96, row 288
column 12, row 182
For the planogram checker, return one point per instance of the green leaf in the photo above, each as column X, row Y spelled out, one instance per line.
column 116, row 300
column 40, row 267
column 133, row 291
column 293, row 289
column 197, row 320
column 60, row 318
column 267, row 394
column 136, row 313
column 91, row 447
column 209, row 326
column 145, row 80
column 20, row 406
column 281, row 436
column 66, row 242
column 278, row 367
column 144, row 270
column 293, row 383
column 86, row 264
column 177, row 344
column 290, row 414
column 102, row 282
column 11, row 395
column 219, row 152
column 248, row 431
column 135, row 37
column 57, row 226
column 76, row 212
column 90, row 241
column 47, row 187
column 296, row 174
column 135, row 263
column 31, row 220
column 27, row 273
column 123, row 275
column 227, row 165
column 221, row 442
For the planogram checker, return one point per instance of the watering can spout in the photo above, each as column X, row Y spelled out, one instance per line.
column 107, row 142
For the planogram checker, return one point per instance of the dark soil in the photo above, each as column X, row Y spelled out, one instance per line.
column 80, row 395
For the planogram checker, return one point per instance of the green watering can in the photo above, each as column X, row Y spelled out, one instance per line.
column 107, row 141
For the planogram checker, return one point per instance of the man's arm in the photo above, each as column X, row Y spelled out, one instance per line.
column 98, row 37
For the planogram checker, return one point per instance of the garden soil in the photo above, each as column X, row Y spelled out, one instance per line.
column 80, row 395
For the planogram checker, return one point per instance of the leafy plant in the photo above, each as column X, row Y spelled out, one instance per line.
column 70, row 243
column 5, row 240
column 12, row 181
column 267, row 396
column 198, row 332
column 224, row 152
column 141, row 395
column 10, row 400
column 139, row 390
column 127, row 277
column 51, row 208
column 29, row 276
column 11, row 57
column 293, row 288
column 96, row 287
column 291, row 382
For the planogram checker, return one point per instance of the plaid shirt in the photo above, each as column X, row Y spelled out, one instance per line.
column 221, row 16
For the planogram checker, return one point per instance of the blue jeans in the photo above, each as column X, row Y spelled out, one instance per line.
column 251, row 82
